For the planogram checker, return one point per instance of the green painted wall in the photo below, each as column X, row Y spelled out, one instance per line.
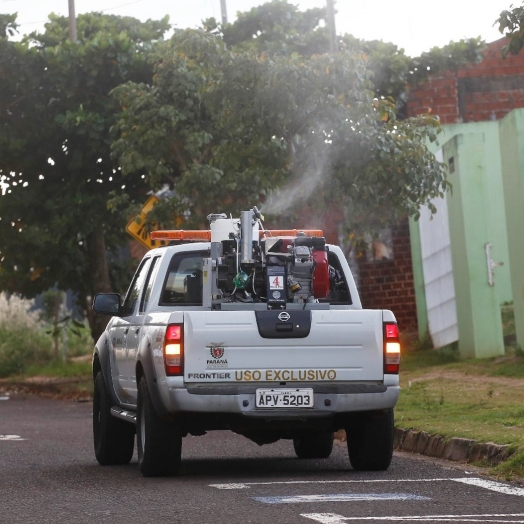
column 512, row 149
column 418, row 279
column 492, row 161
column 473, row 215
column 481, row 151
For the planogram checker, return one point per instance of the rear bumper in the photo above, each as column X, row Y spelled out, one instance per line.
column 242, row 402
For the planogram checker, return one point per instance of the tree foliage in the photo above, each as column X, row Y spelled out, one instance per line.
column 177, row 130
column 8, row 25
column 55, row 120
column 279, row 28
column 225, row 128
column 511, row 25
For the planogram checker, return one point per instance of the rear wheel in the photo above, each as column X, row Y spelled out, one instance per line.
column 114, row 439
column 314, row 445
column 370, row 440
column 159, row 441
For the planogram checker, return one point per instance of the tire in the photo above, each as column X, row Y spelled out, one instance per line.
column 114, row 439
column 370, row 440
column 159, row 442
column 315, row 445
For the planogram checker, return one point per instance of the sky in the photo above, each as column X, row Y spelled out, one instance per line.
column 414, row 25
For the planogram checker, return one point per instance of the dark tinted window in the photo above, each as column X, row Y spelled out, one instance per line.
column 134, row 289
column 339, row 290
column 151, row 276
column 183, row 284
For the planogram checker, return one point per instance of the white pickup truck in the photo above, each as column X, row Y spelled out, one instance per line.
column 259, row 332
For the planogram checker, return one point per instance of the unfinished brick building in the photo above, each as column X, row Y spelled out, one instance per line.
column 488, row 90
column 485, row 91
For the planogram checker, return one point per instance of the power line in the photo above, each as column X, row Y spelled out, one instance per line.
column 34, row 23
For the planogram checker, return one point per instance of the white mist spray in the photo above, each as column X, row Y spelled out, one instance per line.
column 310, row 166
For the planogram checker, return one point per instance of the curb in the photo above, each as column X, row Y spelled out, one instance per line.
column 455, row 449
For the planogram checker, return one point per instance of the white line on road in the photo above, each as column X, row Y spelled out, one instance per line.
column 245, row 485
column 16, row 438
column 333, row 518
column 493, row 486
column 472, row 481
column 338, row 497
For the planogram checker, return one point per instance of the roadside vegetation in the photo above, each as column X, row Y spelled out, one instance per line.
column 33, row 344
column 475, row 399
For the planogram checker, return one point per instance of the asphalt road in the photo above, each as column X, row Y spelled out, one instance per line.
column 48, row 474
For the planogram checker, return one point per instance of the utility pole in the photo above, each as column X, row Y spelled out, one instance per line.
column 333, row 43
column 223, row 10
column 72, row 21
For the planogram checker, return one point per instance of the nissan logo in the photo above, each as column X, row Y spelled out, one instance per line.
column 284, row 316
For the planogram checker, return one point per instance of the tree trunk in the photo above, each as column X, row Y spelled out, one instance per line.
column 99, row 278
column 55, row 326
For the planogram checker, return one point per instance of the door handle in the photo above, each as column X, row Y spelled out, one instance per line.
column 137, row 330
column 125, row 331
column 491, row 265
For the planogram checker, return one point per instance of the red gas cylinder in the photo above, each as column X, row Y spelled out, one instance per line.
column 320, row 274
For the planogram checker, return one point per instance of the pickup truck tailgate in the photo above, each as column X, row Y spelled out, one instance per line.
column 227, row 346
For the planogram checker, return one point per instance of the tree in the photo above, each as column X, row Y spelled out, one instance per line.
column 8, row 25
column 511, row 25
column 279, row 28
column 224, row 129
column 177, row 131
column 55, row 120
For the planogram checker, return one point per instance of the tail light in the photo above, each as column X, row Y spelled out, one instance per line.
column 391, row 348
column 174, row 349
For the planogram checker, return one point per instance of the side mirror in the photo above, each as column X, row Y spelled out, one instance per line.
column 107, row 303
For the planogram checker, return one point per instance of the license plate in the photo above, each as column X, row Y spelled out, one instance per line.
column 284, row 398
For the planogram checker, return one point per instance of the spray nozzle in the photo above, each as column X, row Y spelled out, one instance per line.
column 257, row 213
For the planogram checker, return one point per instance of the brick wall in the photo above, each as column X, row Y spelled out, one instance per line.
column 484, row 91
column 388, row 284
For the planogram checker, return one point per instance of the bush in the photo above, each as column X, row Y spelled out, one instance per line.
column 21, row 347
column 27, row 341
column 79, row 341
column 22, row 341
column 17, row 312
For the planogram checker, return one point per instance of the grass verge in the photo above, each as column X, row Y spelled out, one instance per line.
column 68, row 369
column 475, row 399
